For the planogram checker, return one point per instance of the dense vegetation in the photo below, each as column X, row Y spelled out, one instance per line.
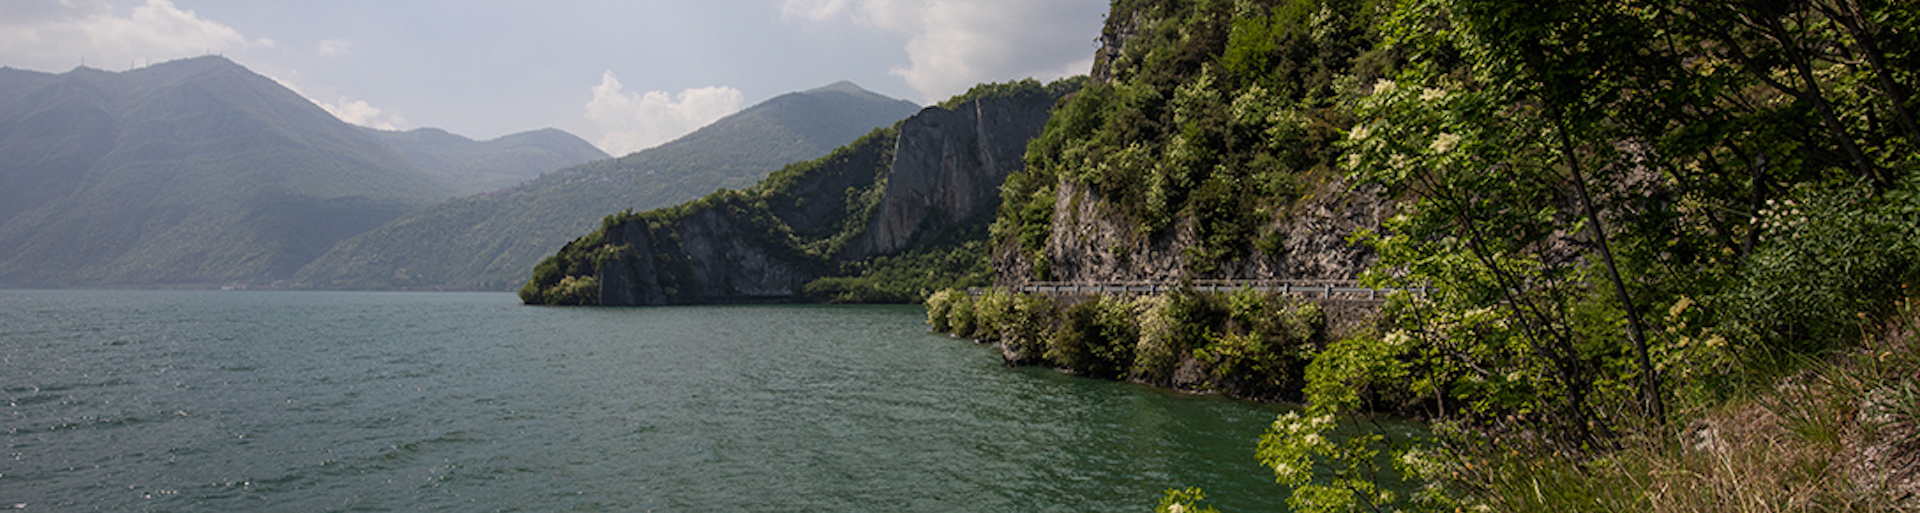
column 957, row 260
column 1245, row 344
column 1637, row 219
column 489, row 241
column 1220, row 113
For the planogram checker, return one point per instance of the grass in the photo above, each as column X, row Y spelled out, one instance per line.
column 1842, row 434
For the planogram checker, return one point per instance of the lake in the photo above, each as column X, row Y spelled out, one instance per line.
column 359, row 401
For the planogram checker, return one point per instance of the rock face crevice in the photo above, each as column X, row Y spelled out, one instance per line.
column 941, row 170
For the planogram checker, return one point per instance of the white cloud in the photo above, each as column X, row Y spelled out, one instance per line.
column 56, row 35
column 335, row 47
column 955, row 44
column 637, row 121
column 357, row 112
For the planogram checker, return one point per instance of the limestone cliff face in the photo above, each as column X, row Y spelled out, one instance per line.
column 706, row 257
column 948, row 167
column 941, row 168
column 1089, row 242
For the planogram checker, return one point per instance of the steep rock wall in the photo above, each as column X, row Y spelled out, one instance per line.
column 942, row 169
column 1090, row 242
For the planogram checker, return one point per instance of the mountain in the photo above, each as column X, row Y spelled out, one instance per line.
column 933, row 178
column 478, row 166
column 490, row 241
column 189, row 173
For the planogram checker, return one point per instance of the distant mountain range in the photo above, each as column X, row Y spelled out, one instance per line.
column 200, row 173
column 478, row 166
column 190, row 173
column 492, row 241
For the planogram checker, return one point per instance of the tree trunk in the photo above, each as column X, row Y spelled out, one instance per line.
column 1650, row 382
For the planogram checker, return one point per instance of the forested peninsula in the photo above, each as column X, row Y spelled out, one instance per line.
column 1667, row 249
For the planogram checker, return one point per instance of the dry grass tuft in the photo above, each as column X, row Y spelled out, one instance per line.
column 1841, row 435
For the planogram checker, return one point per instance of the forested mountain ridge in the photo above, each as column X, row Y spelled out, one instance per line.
column 914, row 197
column 471, row 166
column 488, row 241
column 191, row 173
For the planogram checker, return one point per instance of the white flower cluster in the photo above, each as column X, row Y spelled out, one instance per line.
column 1443, row 143
column 1780, row 215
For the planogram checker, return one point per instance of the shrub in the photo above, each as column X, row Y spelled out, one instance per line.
column 1836, row 261
column 1265, row 350
column 993, row 314
column 1096, row 338
column 939, row 304
column 1159, row 352
column 575, row 291
column 1034, row 322
column 960, row 316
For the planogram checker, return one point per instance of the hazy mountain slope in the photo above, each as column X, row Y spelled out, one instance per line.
column 491, row 241
column 195, row 172
column 477, row 166
column 17, row 82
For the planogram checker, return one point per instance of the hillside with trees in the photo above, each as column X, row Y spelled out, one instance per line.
column 1639, row 223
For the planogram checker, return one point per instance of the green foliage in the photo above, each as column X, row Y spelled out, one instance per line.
column 1096, row 337
column 1617, row 206
column 910, row 276
column 1218, row 112
column 1333, row 457
column 1352, row 373
column 1025, row 87
column 1162, row 347
column 939, row 303
column 1269, row 342
column 1184, row 501
column 1833, row 261
column 960, row 318
column 1258, row 352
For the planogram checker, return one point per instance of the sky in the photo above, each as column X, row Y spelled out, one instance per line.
column 622, row 74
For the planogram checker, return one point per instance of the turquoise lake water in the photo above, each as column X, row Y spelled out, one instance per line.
column 351, row 401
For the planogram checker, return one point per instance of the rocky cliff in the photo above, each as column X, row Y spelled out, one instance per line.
column 947, row 168
column 1089, row 243
column 1206, row 147
column 932, row 174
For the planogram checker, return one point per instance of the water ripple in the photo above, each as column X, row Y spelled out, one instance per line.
column 456, row 402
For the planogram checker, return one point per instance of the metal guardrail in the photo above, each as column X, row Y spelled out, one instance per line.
column 1324, row 289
